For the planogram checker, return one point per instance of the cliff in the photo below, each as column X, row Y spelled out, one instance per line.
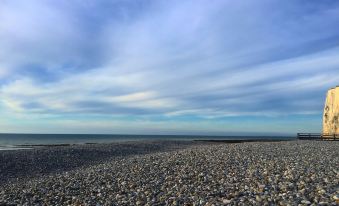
column 331, row 112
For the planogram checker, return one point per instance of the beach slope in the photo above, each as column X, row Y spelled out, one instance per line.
column 253, row 173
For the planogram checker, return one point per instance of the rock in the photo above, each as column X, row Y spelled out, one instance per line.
column 226, row 201
column 258, row 199
column 321, row 191
column 139, row 202
column 323, row 203
column 306, row 202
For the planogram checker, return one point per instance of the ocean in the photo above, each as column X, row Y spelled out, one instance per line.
column 25, row 141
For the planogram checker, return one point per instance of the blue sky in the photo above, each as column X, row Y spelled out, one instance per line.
column 166, row 67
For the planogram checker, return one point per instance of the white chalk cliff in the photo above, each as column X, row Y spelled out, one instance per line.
column 331, row 112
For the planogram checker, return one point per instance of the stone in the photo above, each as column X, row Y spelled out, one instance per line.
column 306, row 202
column 323, row 203
column 226, row 201
column 159, row 180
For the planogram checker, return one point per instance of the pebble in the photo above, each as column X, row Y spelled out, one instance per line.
column 253, row 173
column 306, row 202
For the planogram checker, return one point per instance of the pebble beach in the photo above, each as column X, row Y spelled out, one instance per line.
column 173, row 173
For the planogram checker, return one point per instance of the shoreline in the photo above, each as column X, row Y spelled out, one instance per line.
column 40, row 140
column 241, row 140
column 34, row 146
column 39, row 160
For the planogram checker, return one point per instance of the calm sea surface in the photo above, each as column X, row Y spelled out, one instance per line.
column 15, row 141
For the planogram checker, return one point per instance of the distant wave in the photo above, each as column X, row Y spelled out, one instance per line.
column 12, row 147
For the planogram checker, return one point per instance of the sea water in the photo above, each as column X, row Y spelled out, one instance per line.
column 24, row 141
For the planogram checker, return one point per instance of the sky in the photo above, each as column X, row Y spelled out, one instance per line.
column 198, row 67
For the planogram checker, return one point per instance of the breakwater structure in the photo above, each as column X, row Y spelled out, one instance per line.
column 330, row 118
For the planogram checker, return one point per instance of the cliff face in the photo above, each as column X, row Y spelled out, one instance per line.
column 331, row 112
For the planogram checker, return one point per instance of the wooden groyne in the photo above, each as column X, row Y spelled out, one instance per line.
column 317, row 136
